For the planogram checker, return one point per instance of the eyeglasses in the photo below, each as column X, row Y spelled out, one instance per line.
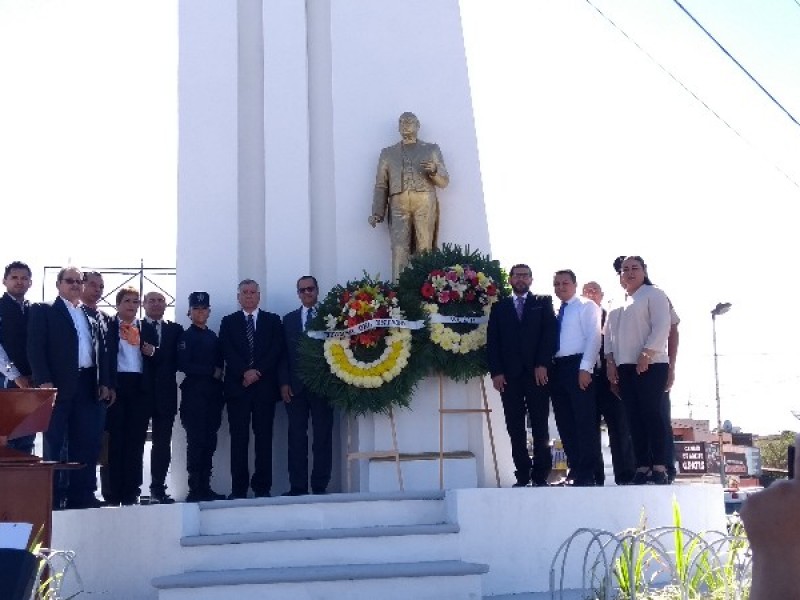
column 306, row 290
column 71, row 281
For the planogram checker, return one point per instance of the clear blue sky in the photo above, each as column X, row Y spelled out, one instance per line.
column 588, row 150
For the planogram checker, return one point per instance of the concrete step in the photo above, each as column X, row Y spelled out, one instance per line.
column 365, row 545
column 332, row 511
column 431, row 580
column 562, row 595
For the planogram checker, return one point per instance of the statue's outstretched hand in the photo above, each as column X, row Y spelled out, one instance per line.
column 374, row 220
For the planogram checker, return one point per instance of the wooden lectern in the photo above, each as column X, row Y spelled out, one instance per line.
column 26, row 482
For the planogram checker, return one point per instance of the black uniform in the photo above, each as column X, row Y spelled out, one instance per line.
column 199, row 355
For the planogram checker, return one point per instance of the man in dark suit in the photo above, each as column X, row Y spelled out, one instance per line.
column 521, row 342
column 65, row 353
column 16, row 371
column 301, row 403
column 252, row 346
column 93, row 287
column 160, row 355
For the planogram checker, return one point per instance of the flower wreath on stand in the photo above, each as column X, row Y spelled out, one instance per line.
column 457, row 289
column 359, row 350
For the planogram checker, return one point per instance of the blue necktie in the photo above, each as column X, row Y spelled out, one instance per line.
column 309, row 316
column 251, row 337
column 520, row 302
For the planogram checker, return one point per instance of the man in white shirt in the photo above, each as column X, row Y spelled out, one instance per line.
column 571, row 389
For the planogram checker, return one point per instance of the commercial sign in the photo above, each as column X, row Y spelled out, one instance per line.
column 691, row 457
column 753, row 461
column 735, row 464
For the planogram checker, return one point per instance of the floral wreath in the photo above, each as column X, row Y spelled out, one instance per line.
column 457, row 289
column 365, row 339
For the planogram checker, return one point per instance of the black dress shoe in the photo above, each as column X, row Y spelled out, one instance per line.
column 660, row 478
column 161, row 498
column 540, row 483
column 640, row 478
column 81, row 504
column 236, row 496
column 521, row 484
column 210, row 495
column 319, row 491
column 295, row 492
column 583, row 483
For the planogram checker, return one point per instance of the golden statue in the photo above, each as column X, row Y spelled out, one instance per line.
column 408, row 174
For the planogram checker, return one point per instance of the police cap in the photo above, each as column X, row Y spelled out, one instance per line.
column 199, row 300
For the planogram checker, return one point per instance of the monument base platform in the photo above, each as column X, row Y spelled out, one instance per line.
column 483, row 542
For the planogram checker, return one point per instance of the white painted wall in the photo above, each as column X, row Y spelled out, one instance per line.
column 517, row 532
column 284, row 108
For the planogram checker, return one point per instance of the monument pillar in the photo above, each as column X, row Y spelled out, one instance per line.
column 284, row 107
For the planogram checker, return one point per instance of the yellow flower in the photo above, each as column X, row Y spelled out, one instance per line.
column 369, row 375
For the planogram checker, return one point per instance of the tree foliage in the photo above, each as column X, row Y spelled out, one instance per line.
column 774, row 449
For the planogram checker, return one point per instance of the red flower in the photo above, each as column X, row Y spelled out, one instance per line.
column 437, row 273
column 451, row 276
column 345, row 298
column 455, row 296
column 369, row 338
column 491, row 289
column 444, row 297
column 469, row 296
column 427, row 290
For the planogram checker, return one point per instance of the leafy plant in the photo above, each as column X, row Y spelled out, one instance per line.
column 634, row 557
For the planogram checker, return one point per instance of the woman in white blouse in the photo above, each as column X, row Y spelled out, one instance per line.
column 636, row 352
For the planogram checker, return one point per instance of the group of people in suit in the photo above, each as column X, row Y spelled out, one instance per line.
column 116, row 375
column 617, row 367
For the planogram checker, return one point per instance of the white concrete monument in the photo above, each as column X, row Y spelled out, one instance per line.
column 284, row 106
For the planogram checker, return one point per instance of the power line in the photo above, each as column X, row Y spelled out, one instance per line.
column 738, row 64
column 686, row 88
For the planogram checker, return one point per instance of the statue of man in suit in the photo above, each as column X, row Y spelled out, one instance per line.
column 408, row 174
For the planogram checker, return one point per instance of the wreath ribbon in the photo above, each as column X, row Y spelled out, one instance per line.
column 365, row 326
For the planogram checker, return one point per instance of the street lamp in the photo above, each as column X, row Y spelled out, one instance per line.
column 720, row 309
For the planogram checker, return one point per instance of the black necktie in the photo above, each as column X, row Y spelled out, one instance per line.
column 309, row 316
column 251, row 337
column 560, row 319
